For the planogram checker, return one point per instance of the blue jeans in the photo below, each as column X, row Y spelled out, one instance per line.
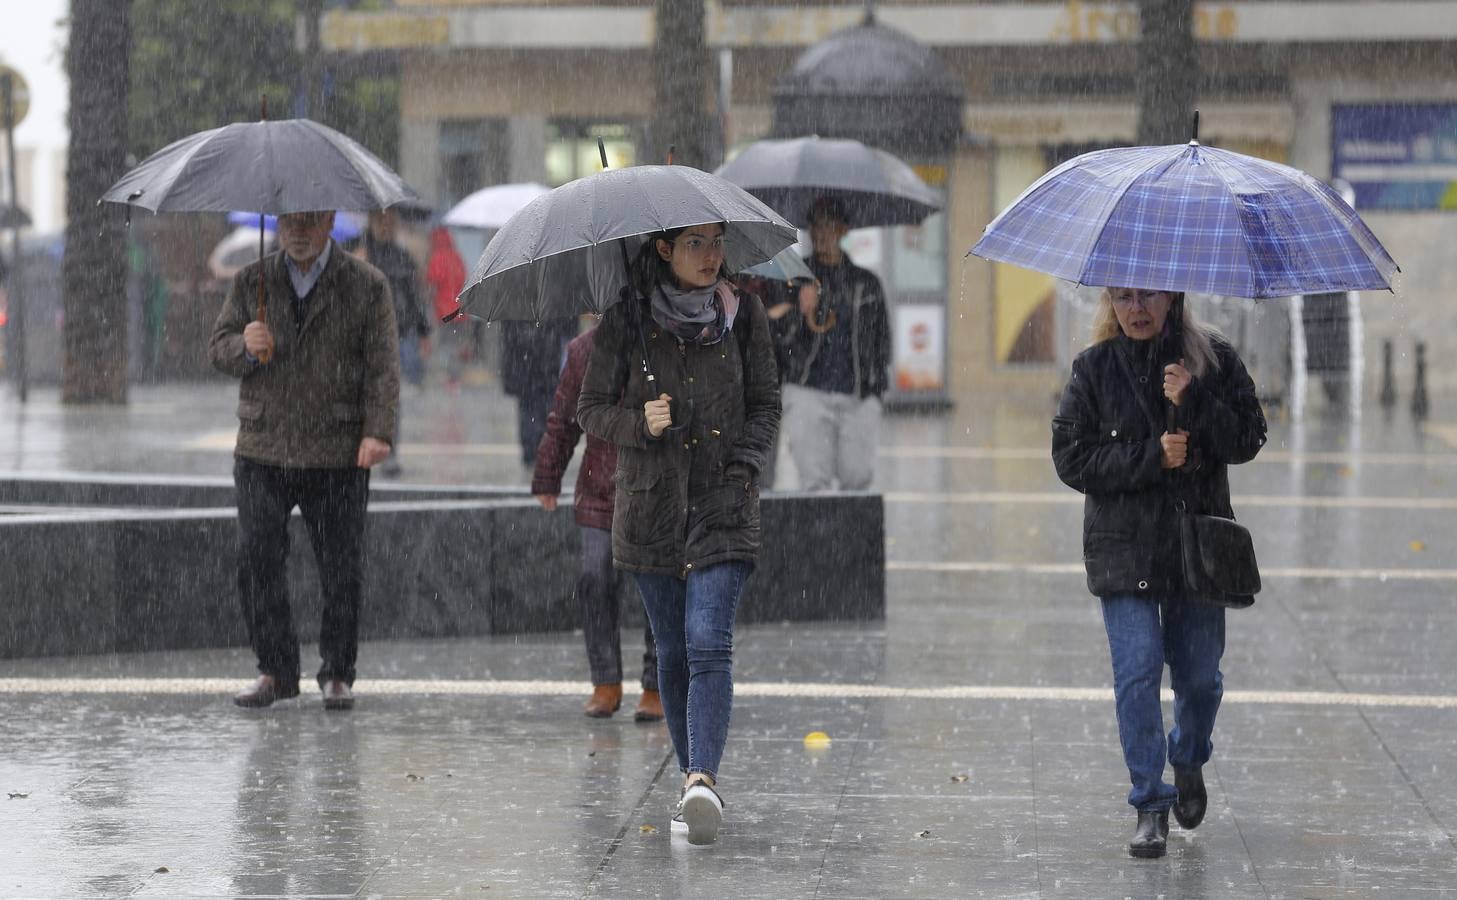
column 693, row 625
column 1143, row 634
column 412, row 364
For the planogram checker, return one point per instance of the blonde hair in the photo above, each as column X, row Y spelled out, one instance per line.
column 1198, row 352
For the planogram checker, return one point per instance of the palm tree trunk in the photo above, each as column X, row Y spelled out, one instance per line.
column 681, row 66
column 94, row 273
column 1168, row 71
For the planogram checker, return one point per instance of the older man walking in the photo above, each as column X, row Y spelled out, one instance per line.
column 317, row 408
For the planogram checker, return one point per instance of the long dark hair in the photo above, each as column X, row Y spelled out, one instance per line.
column 649, row 269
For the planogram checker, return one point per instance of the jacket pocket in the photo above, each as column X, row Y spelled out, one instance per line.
column 734, row 505
column 1121, row 431
column 641, row 513
column 250, row 414
column 348, row 412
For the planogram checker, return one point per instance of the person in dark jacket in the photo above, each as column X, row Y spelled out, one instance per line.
column 690, row 448
column 597, row 583
column 378, row 247
column 531, row 363
column 1110, row 441
column 319, row 388
column 836, row 349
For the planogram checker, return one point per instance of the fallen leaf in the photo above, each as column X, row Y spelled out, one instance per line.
column 958, row 779
column 161, row 870
column 1417, row 546
column 924, row 834
column 649, row 829
column 17, row 795
column 411, row 776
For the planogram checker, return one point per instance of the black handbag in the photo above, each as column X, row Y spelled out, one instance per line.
column 1219, row 560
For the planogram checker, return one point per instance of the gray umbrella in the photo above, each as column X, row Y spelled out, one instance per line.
column 565, row 252
column 274, row 167
column 874, row 187
column 14, row 217
column 787, row 265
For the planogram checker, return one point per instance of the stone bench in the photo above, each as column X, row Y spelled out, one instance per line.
column 125, row 564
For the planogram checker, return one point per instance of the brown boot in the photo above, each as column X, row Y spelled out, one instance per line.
column 649, row 707
column 606, row 699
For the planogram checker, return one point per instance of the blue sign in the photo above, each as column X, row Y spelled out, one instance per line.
column 1397, row 155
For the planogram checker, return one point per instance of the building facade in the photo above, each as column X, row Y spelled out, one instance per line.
column 1362, row 91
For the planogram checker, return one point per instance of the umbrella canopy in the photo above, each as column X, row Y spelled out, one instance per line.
column 1186, row 217
column 235, row 251
column 276, row 167
column 787, row 265
column 874, row 187
column 345, row 227
column 12, row 216
column 490, row 208
column 562, row 255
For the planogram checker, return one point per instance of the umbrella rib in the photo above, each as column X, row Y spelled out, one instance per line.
column 176, row 166
column 1112, row 207
column 353, row 169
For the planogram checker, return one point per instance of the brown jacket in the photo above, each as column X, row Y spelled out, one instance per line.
column 331, row 383
column 690, row 498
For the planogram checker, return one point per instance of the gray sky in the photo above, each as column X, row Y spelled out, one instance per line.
column 31, row 43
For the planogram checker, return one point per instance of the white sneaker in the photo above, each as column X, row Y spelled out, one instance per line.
column 677, row 825
column 702, row 811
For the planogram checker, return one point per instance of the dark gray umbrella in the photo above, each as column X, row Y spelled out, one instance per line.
column 14, row 217
column 874, row 187
column 565, row 253
column 269, row 167
column 273, row 167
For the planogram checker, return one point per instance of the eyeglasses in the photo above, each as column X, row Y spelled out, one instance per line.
column 1146, row 299
column 698, row 246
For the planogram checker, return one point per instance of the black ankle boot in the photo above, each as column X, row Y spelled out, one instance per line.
column 1150, row 840
column 1193, row 799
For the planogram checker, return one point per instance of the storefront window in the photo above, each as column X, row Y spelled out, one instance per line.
column 571, row 148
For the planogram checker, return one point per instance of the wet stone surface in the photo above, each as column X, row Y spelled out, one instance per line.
column 467, row 768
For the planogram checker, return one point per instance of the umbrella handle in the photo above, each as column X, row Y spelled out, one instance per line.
column 267, row 353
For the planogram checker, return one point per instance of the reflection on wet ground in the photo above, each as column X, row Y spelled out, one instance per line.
column 972, row 751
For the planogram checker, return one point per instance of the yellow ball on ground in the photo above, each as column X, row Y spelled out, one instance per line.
column 816, row 740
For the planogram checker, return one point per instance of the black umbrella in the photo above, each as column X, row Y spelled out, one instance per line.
column 272, row 167
column 874, row 187
column 14, row 217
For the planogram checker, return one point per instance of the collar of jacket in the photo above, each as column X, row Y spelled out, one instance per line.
column 280, row 286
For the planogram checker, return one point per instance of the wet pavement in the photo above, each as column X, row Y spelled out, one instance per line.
column 973, row 747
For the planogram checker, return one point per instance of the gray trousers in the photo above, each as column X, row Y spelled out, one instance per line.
column 597, row 596
column 832, row 437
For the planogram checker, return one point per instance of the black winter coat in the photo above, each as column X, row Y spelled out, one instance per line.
column 688, row 499
column 1105, row 443
column 869, row 324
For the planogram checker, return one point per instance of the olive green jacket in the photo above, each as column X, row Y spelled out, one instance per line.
column 688, row 499
column 331, row 382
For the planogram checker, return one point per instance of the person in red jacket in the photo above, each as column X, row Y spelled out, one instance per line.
column 597, row 583
column 445, row 273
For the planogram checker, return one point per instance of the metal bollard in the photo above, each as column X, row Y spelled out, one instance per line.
column 1388, row 378
column 1419, row 405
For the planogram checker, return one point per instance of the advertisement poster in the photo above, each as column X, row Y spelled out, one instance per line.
column 920, row 346
column 1397, row 155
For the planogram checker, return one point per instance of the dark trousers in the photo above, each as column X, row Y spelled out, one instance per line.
column 597, row 595
column 333, row 503
column 533, row 405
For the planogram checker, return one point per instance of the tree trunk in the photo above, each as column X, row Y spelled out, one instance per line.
column 1168, row 71
column 681, row 67
column 94, row 273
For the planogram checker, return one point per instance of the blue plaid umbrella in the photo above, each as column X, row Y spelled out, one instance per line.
column 1186, row 217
